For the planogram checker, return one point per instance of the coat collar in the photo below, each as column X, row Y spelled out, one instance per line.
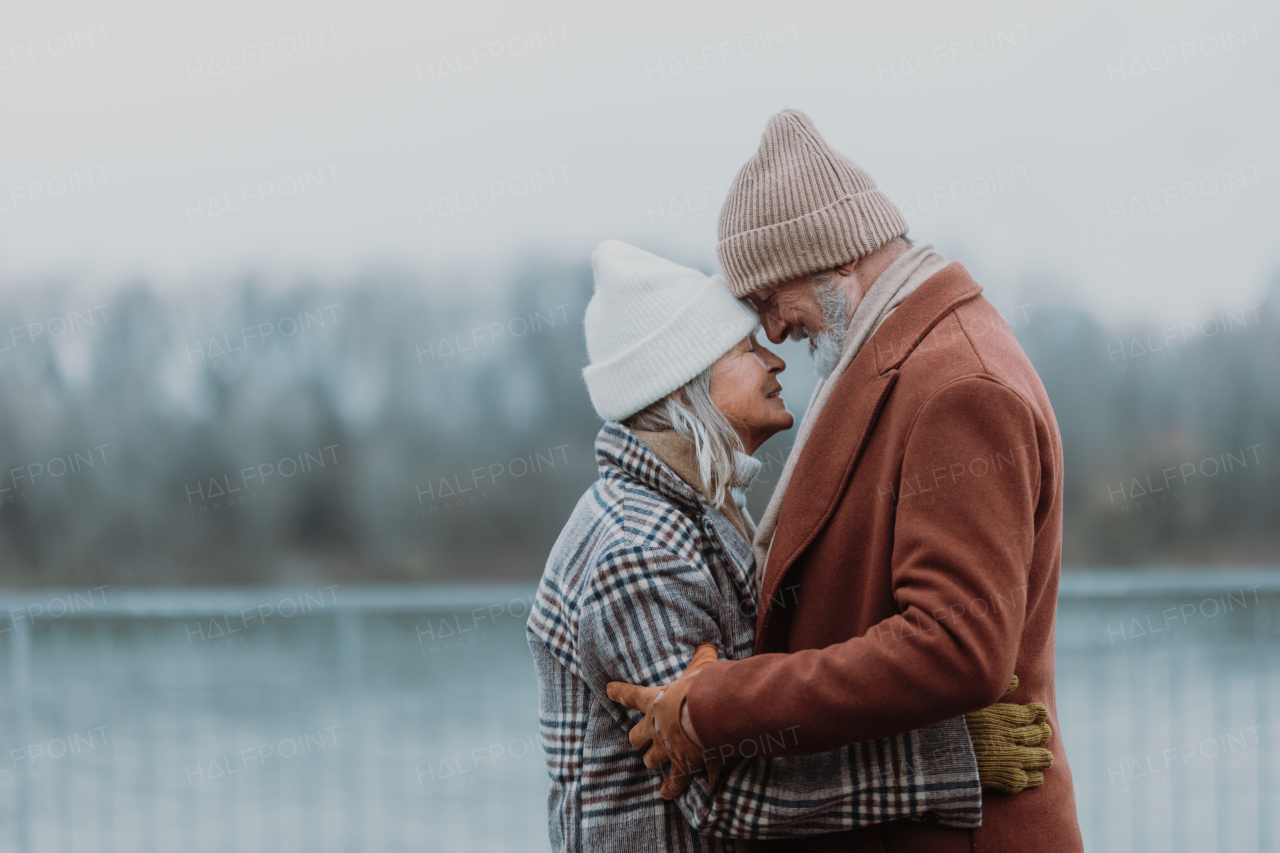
column 620, row 453
column 904, row 329
column 845, row 425
column 679, row 455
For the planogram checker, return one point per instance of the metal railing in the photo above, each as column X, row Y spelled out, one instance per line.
column 338, row 718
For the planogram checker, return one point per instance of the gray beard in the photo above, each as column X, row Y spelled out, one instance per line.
column 826, row 347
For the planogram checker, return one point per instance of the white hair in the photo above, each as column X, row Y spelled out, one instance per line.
column 826, row 347
column 689, row 411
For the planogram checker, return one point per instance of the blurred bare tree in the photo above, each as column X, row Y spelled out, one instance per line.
column 375, row 431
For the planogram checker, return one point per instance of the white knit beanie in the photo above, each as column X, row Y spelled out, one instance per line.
column 652, row 326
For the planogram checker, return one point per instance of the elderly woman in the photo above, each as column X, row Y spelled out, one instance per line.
column 656, row 561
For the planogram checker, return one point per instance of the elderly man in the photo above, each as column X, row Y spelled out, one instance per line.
column 919, row 517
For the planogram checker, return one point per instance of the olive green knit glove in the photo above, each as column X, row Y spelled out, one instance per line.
column 1007, row 741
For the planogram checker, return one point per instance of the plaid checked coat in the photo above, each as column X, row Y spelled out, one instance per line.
column 643, row 572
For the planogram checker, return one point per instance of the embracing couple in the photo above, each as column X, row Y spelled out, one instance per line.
column 870, row 668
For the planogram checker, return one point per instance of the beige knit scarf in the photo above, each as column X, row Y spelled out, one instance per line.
column 893, row 286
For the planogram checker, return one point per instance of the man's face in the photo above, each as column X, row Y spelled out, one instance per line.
column 792, row 309
column 789, row 309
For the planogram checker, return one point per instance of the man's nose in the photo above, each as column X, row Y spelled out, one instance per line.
column 775, row 328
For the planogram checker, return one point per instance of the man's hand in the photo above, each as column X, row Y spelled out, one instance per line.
column 1006, row 740
column 660, row 730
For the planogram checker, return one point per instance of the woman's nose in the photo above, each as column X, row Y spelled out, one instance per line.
column 772, row 360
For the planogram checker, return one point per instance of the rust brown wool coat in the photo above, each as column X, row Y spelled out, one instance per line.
column 914, row 568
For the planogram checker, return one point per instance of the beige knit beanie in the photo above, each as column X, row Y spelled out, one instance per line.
column 799, row 207
column 652, row 325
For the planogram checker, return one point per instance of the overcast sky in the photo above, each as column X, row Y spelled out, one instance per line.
column 1122, row 153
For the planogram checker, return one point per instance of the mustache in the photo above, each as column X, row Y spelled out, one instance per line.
column 801, row 333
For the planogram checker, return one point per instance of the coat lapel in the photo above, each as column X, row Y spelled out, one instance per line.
column 826, row 462
column 741, row 556
column 847, row 421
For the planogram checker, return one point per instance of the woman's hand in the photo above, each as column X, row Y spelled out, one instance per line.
column 660, row 731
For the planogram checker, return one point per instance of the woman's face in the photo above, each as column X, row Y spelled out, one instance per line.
column 745, row 388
